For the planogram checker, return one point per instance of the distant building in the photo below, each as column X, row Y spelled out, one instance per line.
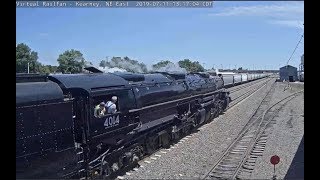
column 288, row 73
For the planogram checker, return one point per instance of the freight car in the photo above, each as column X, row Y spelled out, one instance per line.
column 58, row 136
column 232, row 79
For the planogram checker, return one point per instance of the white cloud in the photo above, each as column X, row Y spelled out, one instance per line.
column 289, row 14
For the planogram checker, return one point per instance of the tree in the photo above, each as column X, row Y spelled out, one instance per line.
column 24, row 55
column 161, row 64
column 240, row 69
column 71, row 61
column 46, row 69
column 53, row 69
column 191, row 66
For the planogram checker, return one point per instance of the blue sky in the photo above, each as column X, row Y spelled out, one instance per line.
column 230, row 34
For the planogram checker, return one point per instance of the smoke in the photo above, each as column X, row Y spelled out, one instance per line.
column 126, row 64
column 170, row 68
column 118, row 64
column 111, row 70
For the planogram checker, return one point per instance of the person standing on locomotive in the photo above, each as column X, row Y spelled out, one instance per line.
column 111, row 105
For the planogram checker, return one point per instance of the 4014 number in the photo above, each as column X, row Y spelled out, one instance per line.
column 111, row 121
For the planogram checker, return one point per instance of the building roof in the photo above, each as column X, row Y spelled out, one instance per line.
column 288, row 66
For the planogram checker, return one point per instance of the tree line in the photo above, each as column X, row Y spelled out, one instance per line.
column 72, row 61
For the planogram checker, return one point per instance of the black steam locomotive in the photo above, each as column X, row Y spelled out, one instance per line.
column 58, row 136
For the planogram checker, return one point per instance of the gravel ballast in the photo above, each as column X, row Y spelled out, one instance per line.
column 246, row 88
column 285, row 136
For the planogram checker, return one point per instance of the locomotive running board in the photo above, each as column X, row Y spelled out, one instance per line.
column 157, row 122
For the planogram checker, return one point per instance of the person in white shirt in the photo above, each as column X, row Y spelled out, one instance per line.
column 111, row 105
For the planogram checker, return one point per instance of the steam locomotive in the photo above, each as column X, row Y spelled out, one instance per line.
column 58, row 136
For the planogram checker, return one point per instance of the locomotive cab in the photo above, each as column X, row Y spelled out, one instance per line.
column 116, row 125
column 99, row 134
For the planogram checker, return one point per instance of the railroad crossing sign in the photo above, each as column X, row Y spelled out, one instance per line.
column 274, row 160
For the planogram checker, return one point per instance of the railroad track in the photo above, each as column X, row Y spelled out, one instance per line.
column 245, row 95
column 238, row 160
column 268, row 120
column 243, row 86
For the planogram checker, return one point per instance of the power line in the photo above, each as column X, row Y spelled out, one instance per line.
column 295, row 48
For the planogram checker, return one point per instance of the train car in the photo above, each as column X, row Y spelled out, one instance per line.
column 227, row 80
column 244, row 78
column 44, row 130
column 250, row 77
column 237, row 79
column 60, row 136
column 96, row 135
column 254, row 76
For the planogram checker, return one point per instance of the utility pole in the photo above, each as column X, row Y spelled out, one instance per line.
column 28, row 67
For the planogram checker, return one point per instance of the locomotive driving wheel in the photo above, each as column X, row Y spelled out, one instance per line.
column 226, row 103
column 105, row 170
column 151, row 144
column 214, row 112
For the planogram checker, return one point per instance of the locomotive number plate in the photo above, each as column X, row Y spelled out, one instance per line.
column 111, row 121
